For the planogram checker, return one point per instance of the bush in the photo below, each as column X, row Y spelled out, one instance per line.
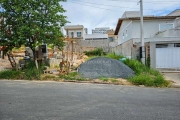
column 159, row 81
column 104, row 79
column 137, row 66
column 10, row 74
column 114, row 56
column 28, row 73
column 145, row 75
column 149, row 80
column 96, row 52
column 72, row 76
column 139, row 79
column 31, row 73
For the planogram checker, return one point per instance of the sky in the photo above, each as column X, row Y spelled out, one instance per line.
column 105, row 13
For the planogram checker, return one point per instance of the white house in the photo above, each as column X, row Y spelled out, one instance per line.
column 159, row 32
column 101, row 30
column 75, row 31
column 96, row 37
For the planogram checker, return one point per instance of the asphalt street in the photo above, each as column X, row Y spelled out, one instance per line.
column 27, row 100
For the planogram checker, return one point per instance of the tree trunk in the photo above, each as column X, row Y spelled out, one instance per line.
column 11, row 60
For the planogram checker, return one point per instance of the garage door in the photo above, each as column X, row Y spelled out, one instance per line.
column 168, row 57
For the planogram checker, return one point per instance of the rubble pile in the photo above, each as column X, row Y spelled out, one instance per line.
column 105, row 67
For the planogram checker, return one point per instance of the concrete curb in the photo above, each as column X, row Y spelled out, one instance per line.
column 170, row 71
column 175, row 85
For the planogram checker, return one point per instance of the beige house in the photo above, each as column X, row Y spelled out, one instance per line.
column 111, row 35
column 75, row 31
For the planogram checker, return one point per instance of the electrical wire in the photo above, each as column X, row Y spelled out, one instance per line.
column 94, row 6
column 87, row 4
column 147, row 1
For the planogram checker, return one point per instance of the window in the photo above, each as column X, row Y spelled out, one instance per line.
column 111, row 39
column 161, row 45
column 176, row 44
column 78, row 34
column 123, row 35
column 126, row 33
column 71, row 34
column 165, row 26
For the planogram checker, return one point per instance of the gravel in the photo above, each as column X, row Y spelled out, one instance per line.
column 105, row 67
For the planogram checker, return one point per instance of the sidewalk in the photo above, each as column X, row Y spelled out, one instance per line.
column 173, row 76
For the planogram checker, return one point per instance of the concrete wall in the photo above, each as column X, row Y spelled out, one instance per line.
column 86, row 45
column 113, row 44
column 124, row 49
column 90, row 44
column 169, row 33
column 153, row 54
column 117, row 50
column 95, row 36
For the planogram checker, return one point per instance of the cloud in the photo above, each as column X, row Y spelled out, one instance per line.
column 105, row 13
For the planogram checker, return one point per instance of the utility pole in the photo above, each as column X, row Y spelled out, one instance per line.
column 142, row 48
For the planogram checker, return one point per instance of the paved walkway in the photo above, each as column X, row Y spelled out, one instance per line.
column 173, row 77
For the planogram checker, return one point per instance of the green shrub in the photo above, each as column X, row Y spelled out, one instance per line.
column 159, row 81
column 96, row 52
column 137, row 66
column 72, row 76
column 114, row 56
column 104, row 79
column 149, row 80
column 139, row 79
column 10, row 74
column 144, row 75
column 154, row 72
column 30, row 72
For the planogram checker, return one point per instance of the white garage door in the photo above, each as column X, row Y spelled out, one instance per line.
column 168, row 57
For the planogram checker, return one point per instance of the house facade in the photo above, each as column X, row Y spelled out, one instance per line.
column 87, row 42
column 96, row 37
column 159, row 32
column 75, row 31
column 101, row 30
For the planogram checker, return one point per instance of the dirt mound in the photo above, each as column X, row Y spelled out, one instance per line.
column 104, row 67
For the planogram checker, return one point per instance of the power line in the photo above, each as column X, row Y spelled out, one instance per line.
column 94, row 6
column 84, row 3
column 143, row 1
column 101, row 4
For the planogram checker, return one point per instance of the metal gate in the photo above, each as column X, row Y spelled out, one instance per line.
column 168, row 57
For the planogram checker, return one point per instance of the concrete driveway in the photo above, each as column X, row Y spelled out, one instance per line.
column 173, row 76
column 26, row 100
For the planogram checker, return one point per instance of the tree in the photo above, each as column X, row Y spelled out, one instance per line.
column 31, row 23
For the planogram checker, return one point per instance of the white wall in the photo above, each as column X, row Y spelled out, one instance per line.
column 177, row 23
column 151, row 27
column 126, row 25
column 75, row 33
column 96, row 36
